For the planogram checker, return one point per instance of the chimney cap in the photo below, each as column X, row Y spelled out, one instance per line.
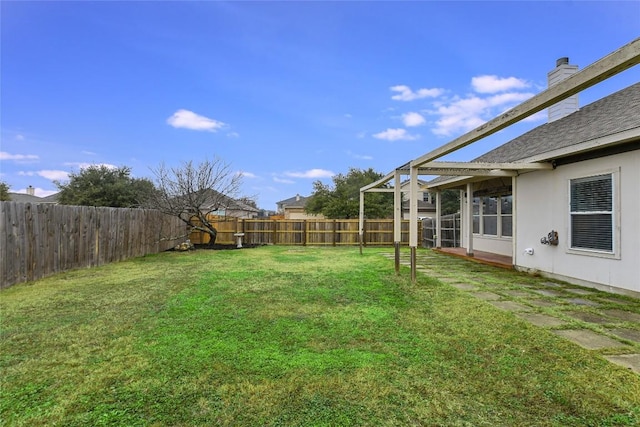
column 562, row 61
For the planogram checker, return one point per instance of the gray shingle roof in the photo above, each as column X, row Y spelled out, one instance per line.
column 214, row 197
column 292, row 202
column 27, row 198
column 615, row 113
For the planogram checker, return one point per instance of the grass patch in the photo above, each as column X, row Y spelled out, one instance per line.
column 280, row 336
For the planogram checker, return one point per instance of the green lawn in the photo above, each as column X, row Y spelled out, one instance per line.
column 285, row 336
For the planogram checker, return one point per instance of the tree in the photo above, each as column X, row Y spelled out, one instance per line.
column 100, row 185
column 4, row 192
column 450, row 201
column 342, row 200
column 196, row 193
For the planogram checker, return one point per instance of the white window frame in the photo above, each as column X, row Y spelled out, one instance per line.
column 615, row 216
column 498, row 215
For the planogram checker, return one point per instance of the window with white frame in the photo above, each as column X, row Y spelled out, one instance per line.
column 591, row 210
column 492, row 216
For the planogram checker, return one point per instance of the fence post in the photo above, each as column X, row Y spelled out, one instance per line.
column 275, row 231
column 305, row 230
column 333, row 234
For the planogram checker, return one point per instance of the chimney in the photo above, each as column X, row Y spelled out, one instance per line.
column 555, row 76
column 297, row 197
column 31, row 191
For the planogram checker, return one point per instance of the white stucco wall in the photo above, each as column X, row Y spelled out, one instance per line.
column 542, row 205
column 496, row 245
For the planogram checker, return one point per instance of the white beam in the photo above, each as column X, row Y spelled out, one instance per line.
column 427, row 167
column 380, row 190
column 379, row 182
column 467, row 172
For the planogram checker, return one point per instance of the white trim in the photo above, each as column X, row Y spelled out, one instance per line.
column 604, row 141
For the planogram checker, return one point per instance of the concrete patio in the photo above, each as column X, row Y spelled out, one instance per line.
column 598, row 321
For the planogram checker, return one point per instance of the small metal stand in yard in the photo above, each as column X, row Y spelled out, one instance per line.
column 239, row 236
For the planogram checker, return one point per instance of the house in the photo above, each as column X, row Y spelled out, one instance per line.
column 562, row 200
column 578, row 221
column 294, row 208
column 426, row 204
column 216, row 203
column 30, row 197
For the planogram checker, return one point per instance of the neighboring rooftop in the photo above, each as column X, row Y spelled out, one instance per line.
column 28, row 198
column 296, row 201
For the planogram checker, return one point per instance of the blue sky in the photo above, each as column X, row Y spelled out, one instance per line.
column 286, row 92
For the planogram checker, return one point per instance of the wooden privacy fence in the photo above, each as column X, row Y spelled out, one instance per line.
column 316, row 232
column 37, row 240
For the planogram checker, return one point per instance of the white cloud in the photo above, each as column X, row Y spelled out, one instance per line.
column 464, row 114
column 406, row 94
column 359, row 156
column 493, row 84
column 84, row 165
column 89, row 153
column 413, row 119
column 395, row 135
column 247, row 174
column 233, row 135
column 283, row 181
column 17, row 157
column 190, row 120
column 491, row 96
column 20, row 137
column 312, row 173
column 53, row 175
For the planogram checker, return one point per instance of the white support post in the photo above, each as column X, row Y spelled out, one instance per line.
column 514, row 222
column 397, row 218
column 413, row 219
column 361, row 221
column 469, row 219
column 438, row 241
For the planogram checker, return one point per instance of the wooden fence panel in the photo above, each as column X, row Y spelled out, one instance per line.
column 259, row 231
column 313, row 232
column 37, row 240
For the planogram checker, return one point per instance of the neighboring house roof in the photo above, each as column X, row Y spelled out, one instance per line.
column 27, row 198
column 613, row 114
column 296, row 201
column 226, row 202
column 407, row 182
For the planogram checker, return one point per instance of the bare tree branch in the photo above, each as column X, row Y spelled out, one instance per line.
column 196, row 192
